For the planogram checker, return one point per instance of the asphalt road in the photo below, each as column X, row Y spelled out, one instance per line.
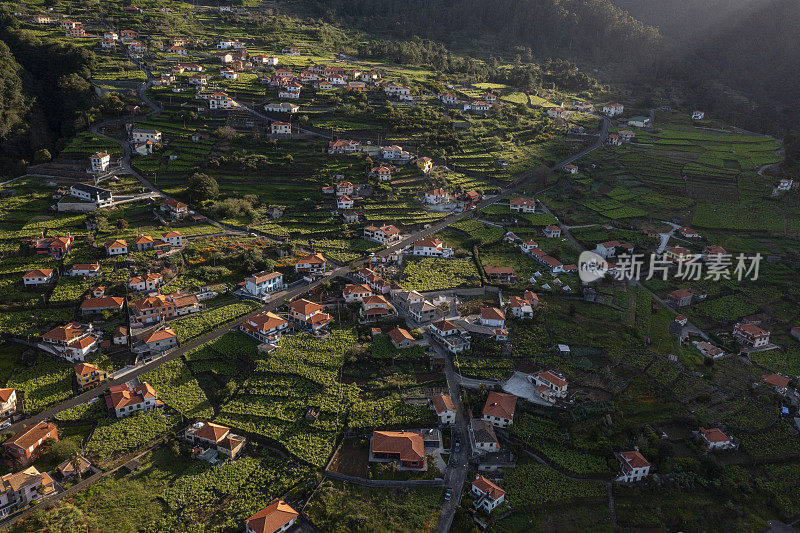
column 279, row 299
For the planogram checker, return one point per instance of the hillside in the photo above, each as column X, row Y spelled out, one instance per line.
column 593, row 30
column 750, row 45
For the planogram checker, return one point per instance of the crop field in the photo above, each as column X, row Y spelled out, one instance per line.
column 342, row 508
column 432, row 274
column 478, row 231
column 483, row 368
column 177, row 388
column 46, row 383
column 194, row 325
column 532, row 486
column 115, row 436
column 300, row 375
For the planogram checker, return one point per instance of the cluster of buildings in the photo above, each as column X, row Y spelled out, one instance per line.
column 443, row 200
column 481, row 105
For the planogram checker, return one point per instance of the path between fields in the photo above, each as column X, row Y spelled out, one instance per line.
column 457, row 476
column 280, row 298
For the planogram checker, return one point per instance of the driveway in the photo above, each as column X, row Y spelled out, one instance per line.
column 519, row 385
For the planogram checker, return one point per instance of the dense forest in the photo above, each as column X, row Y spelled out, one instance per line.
column 748, row 44
column 44, row 94
column 592, row 30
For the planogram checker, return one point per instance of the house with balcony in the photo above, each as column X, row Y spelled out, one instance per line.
column 73, row 341
column 19, row 489
column 311, row 264
column 25, row 446
column 308, row 315
column 550, row 385
column 215, row 436
column 486, row 495
column 263, row 284
column 88, row 375
column 8, row 402
column 385, row 235
column 751, row 336
column 124, row 400
column 522, row 307
column 431, row 247
column 265, row 327
column 633, row 466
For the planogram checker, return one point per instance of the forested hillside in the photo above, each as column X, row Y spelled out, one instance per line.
column 592, row 30
column 44, row 91
column 749, row 44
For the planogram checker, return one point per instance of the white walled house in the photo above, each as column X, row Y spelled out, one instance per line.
column 356, row 293
column 100, row 161
column 555, row 386
column 431, row 247
column 444, row 408
column 116, row 247
column 493, row 317
column 750, row 335
column 633, row 466
column 124, row 400
column 437, row 197
column 280, row 128
column 265, row 327
column 613, row 110
column 715, row 439
column 263, row 283
column 499, row 409
column 523, row 205
column 41, row 276
column 384, row 234
column 139, row 135
column 173, row 238
column 487, row 495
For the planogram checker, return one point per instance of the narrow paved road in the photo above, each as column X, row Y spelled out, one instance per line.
column 278, row 300
column 455, row 476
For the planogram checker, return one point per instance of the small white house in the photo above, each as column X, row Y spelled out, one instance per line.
column 444, row 408
column 487, row 495
column 41, row 276
column 633, row 466
column 100, row 161
column 280, row 128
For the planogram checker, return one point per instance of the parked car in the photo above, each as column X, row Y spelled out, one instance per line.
column 457, row 446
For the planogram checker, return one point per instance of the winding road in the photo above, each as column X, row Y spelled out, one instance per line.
column 455, row 475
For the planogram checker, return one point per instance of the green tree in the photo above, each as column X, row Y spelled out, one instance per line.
column 64, row 450
column 202, row 187
column 41, row 156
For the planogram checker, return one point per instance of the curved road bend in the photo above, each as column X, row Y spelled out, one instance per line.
column 455, row 476
column 279, row 298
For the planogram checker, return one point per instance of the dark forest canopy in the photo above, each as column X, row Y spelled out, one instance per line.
column 591, row 30
column 44, row 92
column 751, row 45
